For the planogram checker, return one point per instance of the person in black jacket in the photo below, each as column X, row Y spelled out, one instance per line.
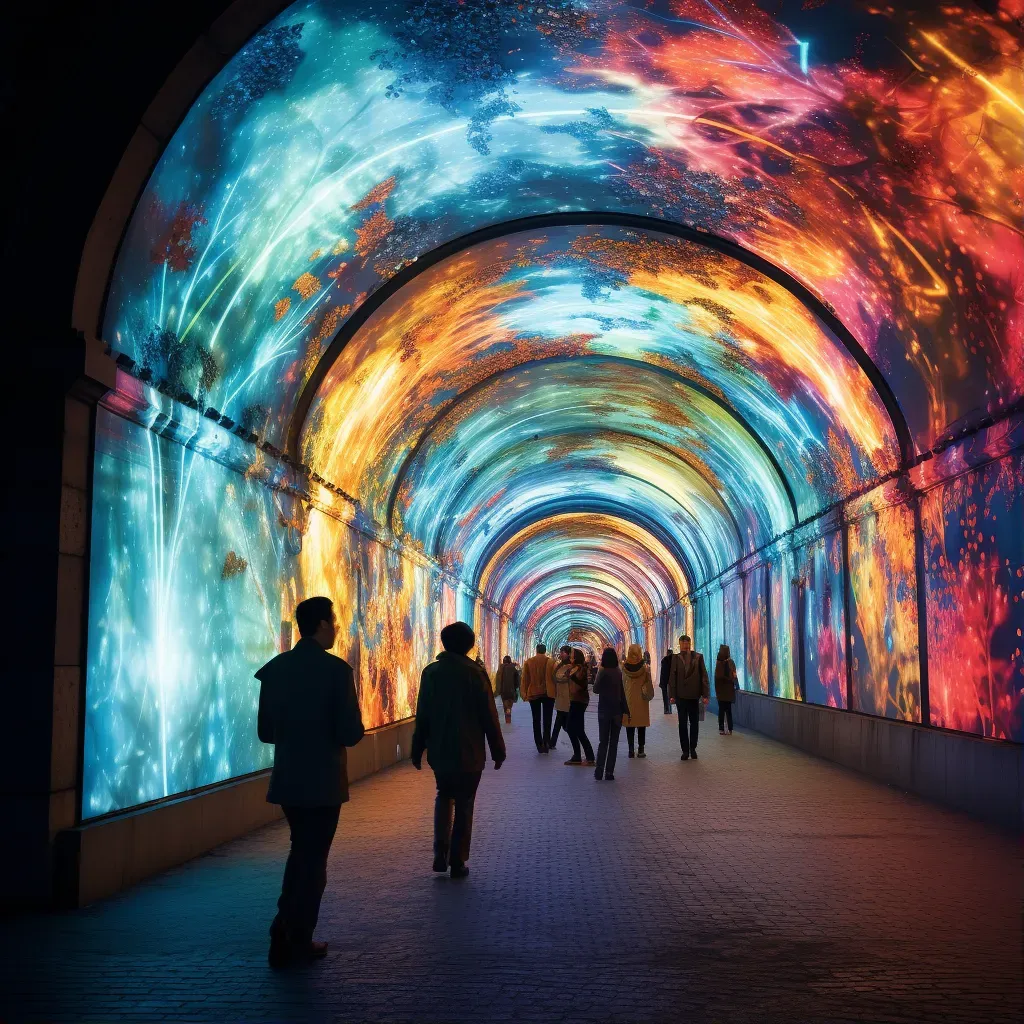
column 454, row 713
column 666, row 668
column 308, row 709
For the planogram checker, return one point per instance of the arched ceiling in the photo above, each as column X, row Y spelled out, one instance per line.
column 828, row 278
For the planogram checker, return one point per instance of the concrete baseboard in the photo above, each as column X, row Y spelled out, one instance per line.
column 100, row 858
column 983, row 777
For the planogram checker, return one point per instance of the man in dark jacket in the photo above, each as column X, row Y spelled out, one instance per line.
column 666, row 668
column 688, row 686
column 454, row 713
column 309, row 711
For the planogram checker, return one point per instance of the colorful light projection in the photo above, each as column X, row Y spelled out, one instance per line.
column 825, row 623
column 681, row 398
column 974, row 549
column 755, row 598
column 886, row 674
column 459, row 384
column 194, row 575
column 874, row 153
column 587, row 573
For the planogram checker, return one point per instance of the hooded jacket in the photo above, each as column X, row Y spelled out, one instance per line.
column 725, row 675
column 634, row 674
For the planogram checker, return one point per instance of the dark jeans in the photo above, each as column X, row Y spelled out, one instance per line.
column 688, row 712
column 630, row 729
column 451, row 841
column 538, row 704
column 561, row 722
column 577, row 730
column 724, row 713
column 664, row 697
column 608, row 729
column 305, row 873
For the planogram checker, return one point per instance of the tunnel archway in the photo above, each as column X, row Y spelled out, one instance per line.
column 643, row 322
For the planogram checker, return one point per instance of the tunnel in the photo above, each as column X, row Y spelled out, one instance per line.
column 583, row 323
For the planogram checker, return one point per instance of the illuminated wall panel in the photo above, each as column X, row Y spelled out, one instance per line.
column 886, row 678
column 784, row 682
column 755, row 595
column 825, row 623
column 974, row 548
column 191, row 578
column 732, row 601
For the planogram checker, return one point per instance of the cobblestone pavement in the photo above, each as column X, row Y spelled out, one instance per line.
column 756, row 884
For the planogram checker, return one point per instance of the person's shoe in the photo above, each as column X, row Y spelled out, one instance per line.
column 640, row 753
column 281, row 954
column 693, row 754
column 631, row 754
column 572, row 761
column 508, row 719
column 599, row 776
column 440, row 862
column 459, row 871
column 730, row 732
column 589, row 764
column 316, row 950
column 609, row 777
column 721, row 732
column 685, row 757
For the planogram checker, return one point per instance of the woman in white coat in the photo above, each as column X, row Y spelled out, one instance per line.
column 639, row 689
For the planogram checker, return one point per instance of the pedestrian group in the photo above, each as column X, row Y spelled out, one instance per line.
column 309, row 711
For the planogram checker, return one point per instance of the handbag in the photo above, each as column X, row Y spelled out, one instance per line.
column 647, row 688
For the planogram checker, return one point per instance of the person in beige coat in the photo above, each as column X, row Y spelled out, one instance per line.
column 639, row 687
column 561, row 677
column 538, row 687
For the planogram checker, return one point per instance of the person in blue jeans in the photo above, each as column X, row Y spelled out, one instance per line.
column 611, row 706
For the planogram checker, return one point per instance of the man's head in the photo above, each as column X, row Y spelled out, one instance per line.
column 507, row 660
column 315, row 619
column 684, row 644
column 458, row 638
column 565, row 654
column 542, row 649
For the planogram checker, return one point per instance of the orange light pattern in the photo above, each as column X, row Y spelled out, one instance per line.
column 885, row 672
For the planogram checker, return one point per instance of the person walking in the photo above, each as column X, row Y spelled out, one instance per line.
column 579, row 698
column 639, row 689
column 611, row 706
column 666, row 667
column 309, row 711
column 725, row 687
column 647, row 658
column 455, row 713
column 506, row 685
column 561, row 675
column 538, row 682
column 687, row 687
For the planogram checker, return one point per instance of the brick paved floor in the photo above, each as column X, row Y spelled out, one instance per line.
column 757, row 884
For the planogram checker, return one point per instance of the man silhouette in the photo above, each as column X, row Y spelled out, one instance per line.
column 538, row 687
column 666, row 668
column 454, row 713
column 688, row 686
column 308, row 709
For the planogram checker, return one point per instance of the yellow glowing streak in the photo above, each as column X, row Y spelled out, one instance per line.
column 940, row 290
column 974, row 73
column 810, row 161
